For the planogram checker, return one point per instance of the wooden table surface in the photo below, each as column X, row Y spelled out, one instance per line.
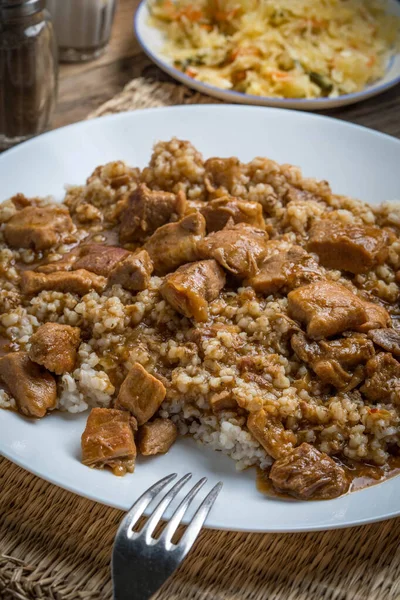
column 84, row 87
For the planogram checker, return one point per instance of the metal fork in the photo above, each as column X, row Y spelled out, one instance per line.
column 140, row 563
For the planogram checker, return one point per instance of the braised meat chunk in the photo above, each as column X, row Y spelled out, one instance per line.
column 157, row 437
column 176, row 243
column 108, row 440
column 388, row 339
column 33, row 388
column 350, row 247
column 237, row 248
column 99, row 259
column 383, row 379
column 327, row 308
column 271, row 434
column 76, row 282
column 288, row 269
column 55, row 347
column 191, row 287
column 222, row 173
column 377, row 317
column 141, row 394
column 134, row 272
column 219, row 211
column 39, row 228
column 223, row 401
column 20, row 201
column 336, row 362
column 147, row 210
column 305, row 473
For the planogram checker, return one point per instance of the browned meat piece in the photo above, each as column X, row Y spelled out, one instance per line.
column 33, row 388
column 327, row 308
column 377, row 317
column 176, row 243
column 218, row 212
column 38, row 228
column 388, row 339
column 349, row 247
column 383, row 379
column 134, row 272
column 307, row 473
column 20, row 201
column 147, row 210
column 222, row 173
column 156, row 437
column 54, row 346
column 236, row 247
column 99, row 259
column 271, row 434
column 108, row 440
column 333, row 360
column 223, row 401
column 76, row 282
column 192, row 287
column 141, row 394
column 287, row 269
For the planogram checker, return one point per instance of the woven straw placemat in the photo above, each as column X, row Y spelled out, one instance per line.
column 55, row 545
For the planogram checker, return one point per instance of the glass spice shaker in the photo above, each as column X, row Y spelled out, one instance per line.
column 83, row 27
column 28, row 70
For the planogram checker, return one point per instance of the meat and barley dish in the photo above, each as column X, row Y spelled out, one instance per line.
column 240, row 304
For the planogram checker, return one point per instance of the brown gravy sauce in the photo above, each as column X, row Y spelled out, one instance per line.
column 5, row 345
column 106, row 237
column 361, row 476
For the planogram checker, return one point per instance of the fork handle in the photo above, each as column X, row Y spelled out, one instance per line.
column 138, row 576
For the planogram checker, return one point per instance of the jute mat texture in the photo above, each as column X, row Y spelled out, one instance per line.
column 55, row 545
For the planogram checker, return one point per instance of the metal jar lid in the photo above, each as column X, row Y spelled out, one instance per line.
column 20, row 8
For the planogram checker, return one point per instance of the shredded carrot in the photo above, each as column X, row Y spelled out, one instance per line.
column 169, row 9
column 223, row 15
column 280, row 75
column 245, row 51
column 321, row 23
column 239, row 76
column 371, row 61
column 206, row 26
column 191, row 72
column 191, row 13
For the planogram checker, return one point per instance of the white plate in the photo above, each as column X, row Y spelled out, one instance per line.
column 152, row 42
column 355, row 160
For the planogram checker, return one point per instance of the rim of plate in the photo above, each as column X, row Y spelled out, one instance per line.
column 190, row 107
column 316, row 103
column 213, row 522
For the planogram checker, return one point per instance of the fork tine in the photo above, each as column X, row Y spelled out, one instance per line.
column 176, row 518
column 142, row 503
column 193, row 529
column 161, row 507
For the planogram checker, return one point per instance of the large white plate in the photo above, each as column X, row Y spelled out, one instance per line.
column 152, row 42
column 355, row 160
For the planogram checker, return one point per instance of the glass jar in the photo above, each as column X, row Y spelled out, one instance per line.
column 83, row 27
column 28, row 70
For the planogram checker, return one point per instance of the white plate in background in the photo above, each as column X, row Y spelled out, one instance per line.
column 355, row 160
column 152, row 41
